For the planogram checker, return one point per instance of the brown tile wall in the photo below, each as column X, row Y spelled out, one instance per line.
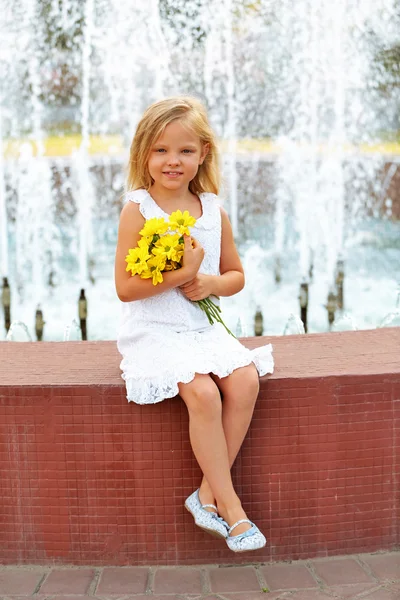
column 88, row 478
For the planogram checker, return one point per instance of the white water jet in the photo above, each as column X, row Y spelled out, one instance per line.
column 34, row 236
column 81, row 164
column 4, row 253
column 72, row 332
column 344, row 323
column 18, row 332
column 219, row 80
column 294, row 326
column 231, row 133
column 393, row 318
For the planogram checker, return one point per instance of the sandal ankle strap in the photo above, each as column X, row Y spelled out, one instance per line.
column 209, row 506
column 239, row 523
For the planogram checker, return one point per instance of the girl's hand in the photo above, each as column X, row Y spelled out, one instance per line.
column 192, row 257
column 198, row 288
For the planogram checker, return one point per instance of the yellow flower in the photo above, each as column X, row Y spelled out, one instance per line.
column 154, row 274
column 145, row 240
column 181, row 221
column 154, row 227
column 157, row 276
column 179, row 254
column 168, row 246
column 155, row 266
column 137, row 258
column 157, row 250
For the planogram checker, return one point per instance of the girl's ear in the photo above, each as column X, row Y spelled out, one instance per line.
column 204, row 152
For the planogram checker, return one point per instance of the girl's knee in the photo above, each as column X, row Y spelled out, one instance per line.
column 202, row 398
column 254, row 380
column 250, row 379
column 249, row 384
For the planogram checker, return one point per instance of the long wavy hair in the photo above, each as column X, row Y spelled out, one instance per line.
column 192, row 114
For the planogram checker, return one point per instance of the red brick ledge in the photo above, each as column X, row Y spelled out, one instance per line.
column 88, row 478
column 374, row 352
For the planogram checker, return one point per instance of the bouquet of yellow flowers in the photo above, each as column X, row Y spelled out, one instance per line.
column 160, row 249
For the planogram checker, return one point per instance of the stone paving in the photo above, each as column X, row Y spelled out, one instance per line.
column 357, row 577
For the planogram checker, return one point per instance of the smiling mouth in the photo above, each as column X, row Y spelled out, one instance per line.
column 172, row 172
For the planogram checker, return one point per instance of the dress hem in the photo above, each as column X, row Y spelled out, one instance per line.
column 264, row 365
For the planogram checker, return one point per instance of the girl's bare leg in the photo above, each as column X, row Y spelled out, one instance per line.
column 240, row 391
column 207, row 437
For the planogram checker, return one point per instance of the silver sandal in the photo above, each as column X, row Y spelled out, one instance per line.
column 210, row 522
column 252, row 539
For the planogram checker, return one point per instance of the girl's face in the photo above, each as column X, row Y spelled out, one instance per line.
column 175, row 157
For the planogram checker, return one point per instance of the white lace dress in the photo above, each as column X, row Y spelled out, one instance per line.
column 167, row 339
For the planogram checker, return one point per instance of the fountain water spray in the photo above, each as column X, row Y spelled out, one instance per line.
column 18, row 332
column 3, row 213
column 289, row 80
column 219, row 71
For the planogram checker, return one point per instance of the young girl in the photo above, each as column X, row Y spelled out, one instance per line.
column 174, row 165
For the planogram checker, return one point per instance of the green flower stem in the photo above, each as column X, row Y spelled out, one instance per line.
column 216, row 307
column 213, row 312
column 218, row 318
column 213, row 309
column 205, row 309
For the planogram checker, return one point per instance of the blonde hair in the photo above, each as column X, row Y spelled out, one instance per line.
column 192, row 114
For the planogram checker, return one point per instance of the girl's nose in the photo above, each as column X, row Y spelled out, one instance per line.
column 173, row 159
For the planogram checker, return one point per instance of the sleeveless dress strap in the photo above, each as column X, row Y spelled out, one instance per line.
column 142, row 198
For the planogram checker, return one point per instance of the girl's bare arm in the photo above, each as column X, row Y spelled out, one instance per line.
column 231, row 279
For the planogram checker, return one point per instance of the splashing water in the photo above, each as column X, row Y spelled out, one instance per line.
column 292, row 90
column 393, row 318
column 18, row 332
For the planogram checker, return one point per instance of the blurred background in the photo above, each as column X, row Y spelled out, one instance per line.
column 304, row 97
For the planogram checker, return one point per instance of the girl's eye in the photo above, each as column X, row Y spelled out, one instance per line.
column 160, row 150
column 187, row 151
